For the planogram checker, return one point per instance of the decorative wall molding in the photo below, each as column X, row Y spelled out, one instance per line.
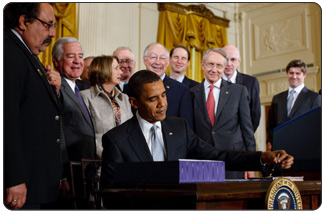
column 200, row 10
column 273, row 84
column 248, row 7
column 280, row 37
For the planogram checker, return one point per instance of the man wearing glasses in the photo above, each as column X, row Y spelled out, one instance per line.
column 156, row 59
column 127, row 65
column 232, row 74
column 33, row 141
column 221, row 109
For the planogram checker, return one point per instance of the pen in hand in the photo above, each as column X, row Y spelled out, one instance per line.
column 274, row 166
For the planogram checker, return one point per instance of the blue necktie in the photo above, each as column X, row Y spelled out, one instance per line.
column 157, row 148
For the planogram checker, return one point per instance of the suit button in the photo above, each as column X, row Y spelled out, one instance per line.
column 58, row 140
column 213, row 132
column 57, row 118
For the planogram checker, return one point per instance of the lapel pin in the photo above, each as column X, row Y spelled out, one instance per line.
column 170, row 133
column 168, row 87
column 227, row 92
column 40, row 73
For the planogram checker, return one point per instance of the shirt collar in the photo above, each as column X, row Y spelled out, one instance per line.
column 21, row 39
column 97, row 91
column 233, row 78
column 297, row 89
column 217, row 84
column 163, row 76
column 180, row 79
column 70, row 83
column 145, row 125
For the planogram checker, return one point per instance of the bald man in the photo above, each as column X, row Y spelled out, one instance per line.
column 232, row 75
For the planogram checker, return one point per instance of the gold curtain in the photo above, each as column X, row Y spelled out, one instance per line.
column 182, row 25
column 66, row 21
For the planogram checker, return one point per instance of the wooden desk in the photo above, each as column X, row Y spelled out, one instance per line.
column 226, row 195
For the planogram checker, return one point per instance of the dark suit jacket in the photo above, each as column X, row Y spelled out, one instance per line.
column 126, row 143
column 252, row 85
column 277, row 114
column 82, row 85
column 78, row 129
column 191, row 83
column 179, row 100
column 232, row 128
column 32, row 125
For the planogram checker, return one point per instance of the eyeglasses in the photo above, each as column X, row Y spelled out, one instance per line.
column 154, row 57
column 233, row 60
column 212, row 65
column 128, row 62
column 46, row 25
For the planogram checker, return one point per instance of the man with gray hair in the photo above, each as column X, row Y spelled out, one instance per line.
column 127, row 65
column 156, row 59
column 77, row 124
column 222, row 114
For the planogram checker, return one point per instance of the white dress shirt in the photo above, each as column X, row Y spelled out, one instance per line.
column 216, row 91
column 180, row 79
column 146, row 129
column 233, row 78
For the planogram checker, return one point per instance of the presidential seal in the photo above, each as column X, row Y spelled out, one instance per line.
column 283, row 194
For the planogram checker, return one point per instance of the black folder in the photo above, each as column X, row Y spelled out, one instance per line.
column 301, row 137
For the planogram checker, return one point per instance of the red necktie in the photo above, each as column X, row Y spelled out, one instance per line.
column 211, row 105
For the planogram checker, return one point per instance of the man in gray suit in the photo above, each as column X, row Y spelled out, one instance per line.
column 77, row 124
column 222, row 113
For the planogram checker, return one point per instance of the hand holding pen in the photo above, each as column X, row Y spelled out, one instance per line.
column 278, row 157
column 274, row 166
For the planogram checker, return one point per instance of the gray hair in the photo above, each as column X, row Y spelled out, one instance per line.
column 156, row 43
column 123, row 48
column 217, row 50
column 57, row 51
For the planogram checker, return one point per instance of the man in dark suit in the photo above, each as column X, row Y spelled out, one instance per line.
column 230, row 128
column 302, row 99
column 156, row 59
column 179, row 62
column 133, row 141
column 251, row 83
column 77, row 124
column 33, row 138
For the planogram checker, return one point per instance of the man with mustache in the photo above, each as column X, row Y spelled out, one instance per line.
column 33, row 136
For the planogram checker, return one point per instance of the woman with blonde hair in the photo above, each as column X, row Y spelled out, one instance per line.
column 108, row 106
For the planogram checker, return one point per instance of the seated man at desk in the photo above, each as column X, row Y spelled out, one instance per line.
column 151, row 136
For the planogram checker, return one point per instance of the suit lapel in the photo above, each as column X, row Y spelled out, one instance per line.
column 137, row 141
column 299, row 101
column 224, row 94
column 67, row 89
column 239, row 78
column 38, row 67
column 282, row 104
column 201, row 100
column 168, row 142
